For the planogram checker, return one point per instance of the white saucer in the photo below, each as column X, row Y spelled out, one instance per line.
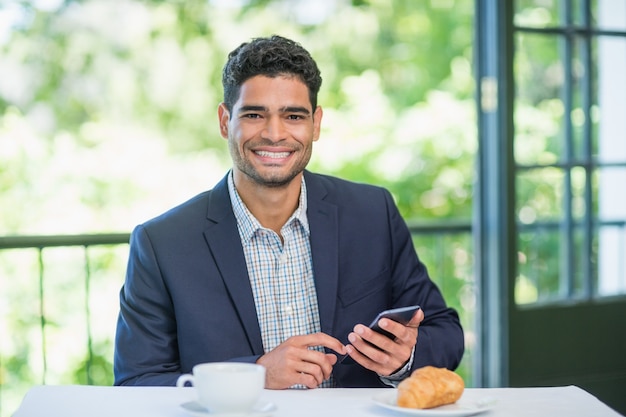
column 261, row 409
column 459, row 409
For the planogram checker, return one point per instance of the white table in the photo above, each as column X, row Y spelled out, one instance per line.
column 92, row 401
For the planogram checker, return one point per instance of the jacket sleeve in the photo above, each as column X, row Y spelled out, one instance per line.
column 146, row 348
column 440, row 339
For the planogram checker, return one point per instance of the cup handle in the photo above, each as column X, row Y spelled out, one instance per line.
column 183, row 379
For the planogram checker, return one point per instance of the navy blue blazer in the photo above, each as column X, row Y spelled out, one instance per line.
column 187, row 298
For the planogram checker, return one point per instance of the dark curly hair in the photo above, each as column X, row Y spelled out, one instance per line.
column 269, row 57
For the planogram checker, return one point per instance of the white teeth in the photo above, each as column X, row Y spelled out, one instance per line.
column 276, row 155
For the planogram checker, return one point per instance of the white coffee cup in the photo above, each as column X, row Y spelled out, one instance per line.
column 226, row 387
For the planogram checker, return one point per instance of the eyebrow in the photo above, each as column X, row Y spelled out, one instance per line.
column 286, row 109
column 295, row 109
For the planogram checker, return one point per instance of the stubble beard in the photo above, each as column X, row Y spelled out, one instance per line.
column 271, row 179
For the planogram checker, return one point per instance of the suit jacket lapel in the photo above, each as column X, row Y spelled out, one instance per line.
column 225, row 245
column 323, row 223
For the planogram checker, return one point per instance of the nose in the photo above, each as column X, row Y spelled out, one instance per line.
column 274, row 129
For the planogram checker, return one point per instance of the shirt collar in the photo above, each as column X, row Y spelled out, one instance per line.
column 248, row 224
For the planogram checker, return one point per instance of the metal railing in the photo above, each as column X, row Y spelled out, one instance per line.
column 66, row 290
column 30, row 323
column 40, row 243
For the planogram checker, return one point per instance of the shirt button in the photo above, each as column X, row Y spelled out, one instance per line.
column 288, row 310
column 284, row 257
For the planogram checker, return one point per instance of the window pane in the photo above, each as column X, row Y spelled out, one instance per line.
column 611, row 15
column 612, row 231
column 579, row 11
column 538, row 68
column 580, row 101
column 536, row 13
column 538, row 256
column 553, row 13
column 540, row 195
column 612, row 204
column 579, row 185
column 612, row 259
column 553, row 104
column 611, row 99
column 553, row 243
column 542, row 269
column 539, row 108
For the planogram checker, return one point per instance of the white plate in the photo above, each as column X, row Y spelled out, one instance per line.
column 261, row 409
column 459, row 409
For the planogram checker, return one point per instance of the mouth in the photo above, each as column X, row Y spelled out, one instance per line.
column 272, row 155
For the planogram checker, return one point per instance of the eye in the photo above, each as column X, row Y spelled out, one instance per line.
column 251, row 116
column 295, row 117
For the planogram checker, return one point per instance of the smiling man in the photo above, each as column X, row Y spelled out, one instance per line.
column 278, row 265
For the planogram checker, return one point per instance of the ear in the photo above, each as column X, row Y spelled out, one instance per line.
column 223, row 116
column 317, row 122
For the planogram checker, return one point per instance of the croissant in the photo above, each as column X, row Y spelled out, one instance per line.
column 430, row 387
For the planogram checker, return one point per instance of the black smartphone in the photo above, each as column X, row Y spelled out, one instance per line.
column 402, row 315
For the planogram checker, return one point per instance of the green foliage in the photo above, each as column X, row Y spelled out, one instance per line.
column 94, row 370
column 134, row 101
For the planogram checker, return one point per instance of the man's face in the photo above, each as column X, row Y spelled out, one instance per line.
column 271, row 130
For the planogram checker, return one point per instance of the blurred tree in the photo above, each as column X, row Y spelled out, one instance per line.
column 96, row 74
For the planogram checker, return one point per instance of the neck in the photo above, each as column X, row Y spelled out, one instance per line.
column 271, row 206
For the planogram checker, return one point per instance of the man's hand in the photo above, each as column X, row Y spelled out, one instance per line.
column 386, row 356
column 292, row 362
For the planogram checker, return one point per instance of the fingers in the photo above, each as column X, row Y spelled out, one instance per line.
column 382, row 354
column 371, row 349
column 320, row 339
column 316, row 363
column 314, row 369
column 293, row 362
column 289, row 365
column 417, row 319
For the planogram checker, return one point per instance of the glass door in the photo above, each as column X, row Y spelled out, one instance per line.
column 567, row 316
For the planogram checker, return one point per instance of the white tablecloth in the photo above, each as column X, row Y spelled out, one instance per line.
column 92, row 401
